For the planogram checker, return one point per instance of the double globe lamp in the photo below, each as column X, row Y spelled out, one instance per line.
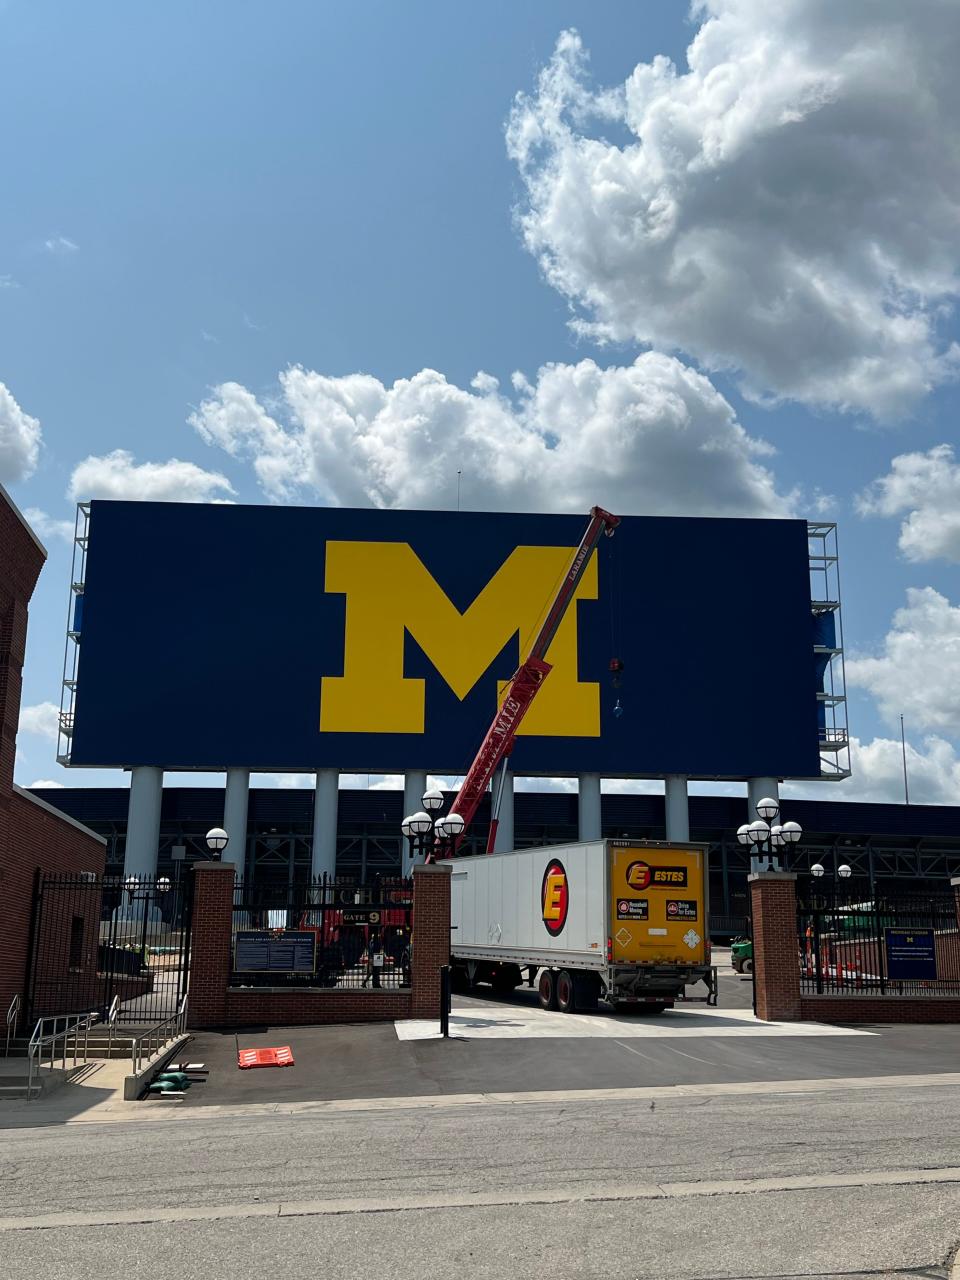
column 426, row 830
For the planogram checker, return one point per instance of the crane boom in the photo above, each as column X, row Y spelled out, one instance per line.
column 526, row 681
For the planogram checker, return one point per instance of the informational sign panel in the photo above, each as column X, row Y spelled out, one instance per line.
column 263, row 951
column 910, row 953
column 306, row 638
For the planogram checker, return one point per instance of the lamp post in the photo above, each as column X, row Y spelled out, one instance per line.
column 429, row 836
column 217, row 841
column 768, row 836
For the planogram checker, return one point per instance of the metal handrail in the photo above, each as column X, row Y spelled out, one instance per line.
column 13, row 1013
column 111, row 1022
column 73, row 1025
column 151, row 1041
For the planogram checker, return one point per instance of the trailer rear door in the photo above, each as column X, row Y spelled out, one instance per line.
column 658, row 906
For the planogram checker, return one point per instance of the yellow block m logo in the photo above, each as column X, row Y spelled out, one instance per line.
column 389, row 592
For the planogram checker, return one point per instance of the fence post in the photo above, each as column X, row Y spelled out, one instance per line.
column 431, row 937
column 210, row 942
column 776, row 950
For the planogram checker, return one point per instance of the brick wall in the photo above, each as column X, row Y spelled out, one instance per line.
column 777, row 977
column 32, row 836
column 870, row 1008
column 45, row 840
column 213, row 1003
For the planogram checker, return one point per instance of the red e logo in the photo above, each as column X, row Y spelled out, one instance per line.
column 554, row 897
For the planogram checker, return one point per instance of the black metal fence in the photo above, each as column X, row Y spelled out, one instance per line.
column 99, row 938
column 886, row 945
column 332, row 932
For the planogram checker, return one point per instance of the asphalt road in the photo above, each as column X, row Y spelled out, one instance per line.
column 557, row 1188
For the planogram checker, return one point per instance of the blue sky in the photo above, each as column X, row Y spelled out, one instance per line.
column 201, row 196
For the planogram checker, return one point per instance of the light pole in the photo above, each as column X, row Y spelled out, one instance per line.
column 768, row 836
column 431, row 836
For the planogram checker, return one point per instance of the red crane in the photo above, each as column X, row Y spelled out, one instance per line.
column 523, row 687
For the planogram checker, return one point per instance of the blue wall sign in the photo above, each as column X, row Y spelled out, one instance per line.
column 911, row 953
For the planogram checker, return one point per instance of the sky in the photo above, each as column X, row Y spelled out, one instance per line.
column 671, row 260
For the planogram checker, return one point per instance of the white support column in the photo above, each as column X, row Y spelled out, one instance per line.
column 143, row 822
column 757, row 790
column 504, row 841
column 414, row 785
column 676, row 807
column 235, row 800
column 588, row 806
column 324, row 852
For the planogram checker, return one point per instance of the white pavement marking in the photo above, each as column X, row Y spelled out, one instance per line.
column 482, row 1199
column 488, row 1021
column 142, row 1112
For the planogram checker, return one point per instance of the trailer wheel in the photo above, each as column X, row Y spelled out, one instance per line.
column 566, row 1001
column 747, row 966
column 547, row 989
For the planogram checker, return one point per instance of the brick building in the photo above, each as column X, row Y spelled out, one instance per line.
column 34, row 836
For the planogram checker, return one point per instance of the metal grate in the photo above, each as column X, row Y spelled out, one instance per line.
column 333, row 932
column 887, row 945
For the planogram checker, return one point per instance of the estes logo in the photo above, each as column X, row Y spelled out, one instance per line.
column 554, row 897
column 642, row 876
column 391, row 593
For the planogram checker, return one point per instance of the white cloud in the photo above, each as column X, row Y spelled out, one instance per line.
column 933, row 774
column 60, row 245
column 42, row 719
column 927, row 485
column 653, row 437
column 19, row 440
column 47, row 526
column 787, row 206
column 44, row 782
column 919, row 671
column 117, row 475
column 8, row 282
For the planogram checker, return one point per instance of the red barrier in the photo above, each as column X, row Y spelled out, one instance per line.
column 282, row 1057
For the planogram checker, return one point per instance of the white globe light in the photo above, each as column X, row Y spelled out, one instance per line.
column 217, row 839
column 791, row 832
column 455, row 824
column 432, row 800
column 768, row 808
column 743, row 833
column 420, row 823
column 405, row 826
column 163, row 884
column 758, row 831
column 776, row 836
column 131, row 883
column 845, row 872
column 440, row 828
column 817, row 870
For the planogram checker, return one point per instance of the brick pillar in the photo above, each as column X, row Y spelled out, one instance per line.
column 431, row 937
column 210, row 943
column 776, row 965
column 955, row 883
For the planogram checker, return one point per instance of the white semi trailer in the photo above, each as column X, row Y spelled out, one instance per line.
column 619, row 919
